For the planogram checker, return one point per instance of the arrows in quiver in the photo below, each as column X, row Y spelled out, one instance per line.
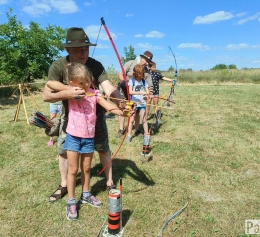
column 51, row 127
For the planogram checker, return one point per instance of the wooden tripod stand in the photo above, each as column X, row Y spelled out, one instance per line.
column 21, row 88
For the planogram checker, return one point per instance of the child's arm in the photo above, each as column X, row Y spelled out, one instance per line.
column 109, row 106
column 146, row 96
column 131, row 92
column 57, row 86
column 167, row 79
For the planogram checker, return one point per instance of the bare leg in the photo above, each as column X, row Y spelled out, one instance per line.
column 147, row 110
column 130, row 126
column 104, row 159
column 144, row 121
column 85, row 166
column 121, row 122
column 63, row 166
column 73, row 166
column 137, row 121
column 155, row 102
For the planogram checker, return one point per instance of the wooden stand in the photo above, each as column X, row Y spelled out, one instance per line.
column 21, row 100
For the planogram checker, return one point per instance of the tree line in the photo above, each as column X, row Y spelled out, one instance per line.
column 27, row 52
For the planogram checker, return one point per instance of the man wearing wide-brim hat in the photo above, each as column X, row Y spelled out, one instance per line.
column 77, row 45
column 143, row 60
column 148, row 56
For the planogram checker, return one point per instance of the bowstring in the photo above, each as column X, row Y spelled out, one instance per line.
column 97, row 40
column 94, row 157
column 175, row 74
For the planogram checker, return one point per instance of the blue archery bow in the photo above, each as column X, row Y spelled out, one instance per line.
column 174, row 82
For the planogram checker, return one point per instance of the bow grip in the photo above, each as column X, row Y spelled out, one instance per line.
column 130, row 106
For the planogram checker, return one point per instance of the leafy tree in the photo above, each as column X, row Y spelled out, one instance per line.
column 232, row 66
column 171, row 68
column 26, row 53
column 129, row 54
column 224, row 66
column 112, row 75
column 219, row 67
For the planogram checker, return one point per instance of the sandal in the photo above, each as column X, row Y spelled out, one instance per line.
column 108, row 188
column 62, row 191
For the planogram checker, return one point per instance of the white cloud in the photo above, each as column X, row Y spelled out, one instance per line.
column 241, row 14
column 45, row 6
column 139, row 36
column 241, row 46
column 193, row 46
column 93, row 32
column 154, row 34
column 213, row 17
column 237, row 46
column 37, row 9
column 3, row 2
column 89, row 3
column 250, row 18
column 64, row 6
column 147, row 46
column 129, row 15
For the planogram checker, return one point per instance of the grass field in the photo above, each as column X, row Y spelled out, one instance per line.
column 206, row 150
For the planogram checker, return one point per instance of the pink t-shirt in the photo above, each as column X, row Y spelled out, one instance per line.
column 82, row 116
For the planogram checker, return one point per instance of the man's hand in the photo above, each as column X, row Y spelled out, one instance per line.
column 122, row 104
column 76, row 93
column 129, row 109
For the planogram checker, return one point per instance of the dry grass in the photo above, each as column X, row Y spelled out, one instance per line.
column 218, row 76
column 207, row 150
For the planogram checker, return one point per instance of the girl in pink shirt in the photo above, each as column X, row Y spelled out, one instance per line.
column 80, row 133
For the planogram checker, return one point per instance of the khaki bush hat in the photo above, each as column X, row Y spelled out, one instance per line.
column 76, row 37
column 148, row 56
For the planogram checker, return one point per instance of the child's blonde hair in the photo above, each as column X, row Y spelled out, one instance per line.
column 138, row 72
column 78, row 71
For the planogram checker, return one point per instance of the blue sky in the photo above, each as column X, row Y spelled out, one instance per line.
column 201, row 33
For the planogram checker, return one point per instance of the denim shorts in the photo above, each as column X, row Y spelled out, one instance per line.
column 78, row 144
column 138, row 108
column 101, row 135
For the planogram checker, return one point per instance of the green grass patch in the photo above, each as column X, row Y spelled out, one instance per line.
column 207, row 149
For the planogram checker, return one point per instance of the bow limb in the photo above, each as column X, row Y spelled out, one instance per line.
column 118, row 57
column 176, row 70
column 172, row 217
column 128, row 95
column 174, row 80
